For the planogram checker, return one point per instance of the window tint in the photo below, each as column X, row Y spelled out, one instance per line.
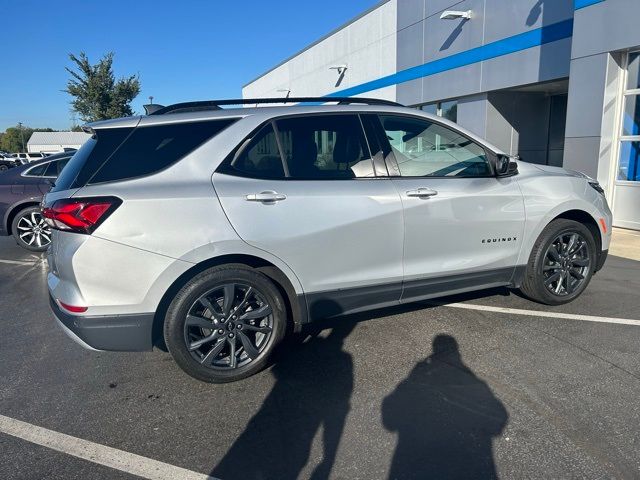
column 325, row 147
column 260, row 158
column 93, row 153
column 423, row 148
column 37, row 171
column 150, row 149
column 54, row 168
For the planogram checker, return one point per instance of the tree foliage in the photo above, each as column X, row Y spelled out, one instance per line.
column 12, row 139
column 97, row 95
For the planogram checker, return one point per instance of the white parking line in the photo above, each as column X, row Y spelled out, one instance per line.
column 537, row 313
column 17, row 262
column 94, row 452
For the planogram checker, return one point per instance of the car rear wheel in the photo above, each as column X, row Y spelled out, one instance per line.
column 30, row 230
column 561, row 263
column 223, row 324
column 3, row 168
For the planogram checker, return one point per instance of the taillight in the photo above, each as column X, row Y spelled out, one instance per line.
column 79, row 215
column 72, row 308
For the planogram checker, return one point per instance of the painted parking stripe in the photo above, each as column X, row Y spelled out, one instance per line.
column 538, row 313
column 17, row 262
column 94, row 452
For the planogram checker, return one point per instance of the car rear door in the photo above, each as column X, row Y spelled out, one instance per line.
column 463, row 225
column 303, row 188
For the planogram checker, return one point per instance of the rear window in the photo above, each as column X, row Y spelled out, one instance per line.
column 124, row 153
column 88, row 159
column 151, row 149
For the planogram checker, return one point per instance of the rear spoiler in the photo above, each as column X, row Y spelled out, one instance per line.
column 150, row 108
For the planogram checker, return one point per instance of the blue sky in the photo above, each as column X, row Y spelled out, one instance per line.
column 182, row 50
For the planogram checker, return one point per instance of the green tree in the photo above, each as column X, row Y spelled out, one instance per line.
column 12, row 139
column 97, row 95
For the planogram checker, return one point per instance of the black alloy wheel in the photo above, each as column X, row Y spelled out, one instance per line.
column 567, row 263
column 224, row 323
column 229, row 326
column 561, row 262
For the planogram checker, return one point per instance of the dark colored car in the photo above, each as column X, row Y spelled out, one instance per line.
column 21, row 190
column 6, row 163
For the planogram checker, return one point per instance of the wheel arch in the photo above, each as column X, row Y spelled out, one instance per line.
column 14, row 210
column 588, row 221
column 296, row 311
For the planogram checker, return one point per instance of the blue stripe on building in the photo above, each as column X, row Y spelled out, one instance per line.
column 585, row 3
column 506, row 46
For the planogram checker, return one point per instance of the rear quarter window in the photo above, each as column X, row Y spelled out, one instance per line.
column 151, row 149
column 123, row 153
column 86, row 161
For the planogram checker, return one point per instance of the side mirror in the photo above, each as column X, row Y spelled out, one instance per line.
column 506, row 165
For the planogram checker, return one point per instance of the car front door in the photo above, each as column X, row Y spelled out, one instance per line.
column 463, row 225
column 303, row 188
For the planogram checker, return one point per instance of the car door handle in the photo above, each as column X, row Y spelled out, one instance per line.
column 268, row 196
column 421, row 193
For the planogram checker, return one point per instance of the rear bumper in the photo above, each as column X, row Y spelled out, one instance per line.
column 125, row 333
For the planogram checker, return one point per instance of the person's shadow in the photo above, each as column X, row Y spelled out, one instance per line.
column 445, row 417
column 312, row 390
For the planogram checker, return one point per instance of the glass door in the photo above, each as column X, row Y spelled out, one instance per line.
column 626, row 201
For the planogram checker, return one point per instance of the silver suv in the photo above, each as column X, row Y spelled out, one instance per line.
column 216, row 230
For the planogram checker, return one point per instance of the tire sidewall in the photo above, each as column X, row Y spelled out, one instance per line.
column 565, row 227
column 16, row 236
column 194, row 289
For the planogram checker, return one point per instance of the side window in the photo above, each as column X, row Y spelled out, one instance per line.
column 325, row 147
column 260, row 157
column 37, row 171
column 55, row 167
column 426, row 149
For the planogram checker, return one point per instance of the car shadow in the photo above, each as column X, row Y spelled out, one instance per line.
column 445, row 418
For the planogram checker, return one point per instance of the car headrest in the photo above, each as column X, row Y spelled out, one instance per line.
column 304, row 151
column 346, row 149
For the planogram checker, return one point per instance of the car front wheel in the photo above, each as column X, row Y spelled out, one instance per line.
column 30, row 230
column 223, row 324
column 561, row 263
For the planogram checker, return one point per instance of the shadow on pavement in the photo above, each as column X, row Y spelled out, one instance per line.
column 314, row 382
column 445, row 417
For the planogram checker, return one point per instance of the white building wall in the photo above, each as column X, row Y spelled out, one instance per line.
column 31, row 148
column 367, row 46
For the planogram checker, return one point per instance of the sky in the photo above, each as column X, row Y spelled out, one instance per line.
column 182, row 50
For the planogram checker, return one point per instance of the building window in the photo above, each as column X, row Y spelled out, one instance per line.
column 629, row 152
column 448, row 110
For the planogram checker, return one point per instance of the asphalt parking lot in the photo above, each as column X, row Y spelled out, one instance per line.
column 465, row 390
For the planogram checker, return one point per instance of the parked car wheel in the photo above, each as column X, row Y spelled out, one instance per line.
column 30, row 230
column 223, row 324
column 3, row 168
column 561, row 263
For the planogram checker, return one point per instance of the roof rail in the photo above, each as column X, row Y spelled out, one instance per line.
column 217, row 104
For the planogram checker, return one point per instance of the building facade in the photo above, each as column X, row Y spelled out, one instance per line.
column 554, row 81
column 54, row 142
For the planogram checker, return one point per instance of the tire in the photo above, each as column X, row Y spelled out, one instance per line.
column 3, row 168
column 544, row 266
column 260, row 319
column 38, row 238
